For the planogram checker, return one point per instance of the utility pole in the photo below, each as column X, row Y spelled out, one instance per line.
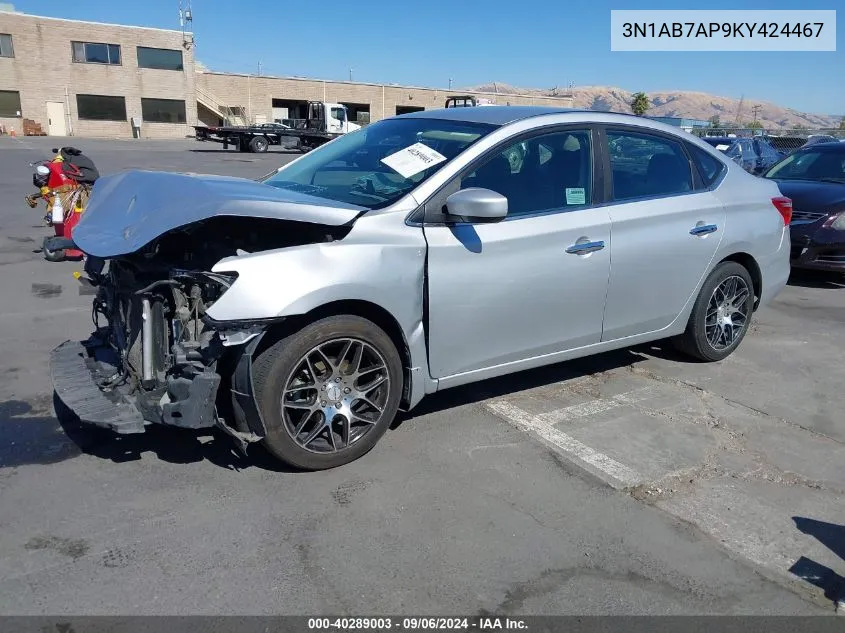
column 450, row 83
column 756, row 109
column 350, row 74
column 259, row 67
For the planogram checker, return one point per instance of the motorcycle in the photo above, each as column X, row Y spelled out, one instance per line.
column 64, row 184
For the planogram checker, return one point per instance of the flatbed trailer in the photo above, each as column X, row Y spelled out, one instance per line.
column 258, row 138
column 325, row 121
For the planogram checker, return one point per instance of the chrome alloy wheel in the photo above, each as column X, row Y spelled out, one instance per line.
column 335, row 394
column 727, row 313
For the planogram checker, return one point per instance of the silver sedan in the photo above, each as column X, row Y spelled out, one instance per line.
column 422, row 252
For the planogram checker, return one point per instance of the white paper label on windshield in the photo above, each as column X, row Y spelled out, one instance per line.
column 413, row 159
column 576, row 195
column 722, row 148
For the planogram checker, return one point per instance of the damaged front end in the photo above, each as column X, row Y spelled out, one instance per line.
column 155, row 356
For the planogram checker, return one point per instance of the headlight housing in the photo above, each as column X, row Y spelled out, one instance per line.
column 836, row 222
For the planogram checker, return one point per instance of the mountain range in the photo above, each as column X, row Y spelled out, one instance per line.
column 681, row 103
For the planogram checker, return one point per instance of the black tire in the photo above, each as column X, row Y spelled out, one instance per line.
column 694, row 341
column 50, row 255
column 273, row 367
column 258, row 144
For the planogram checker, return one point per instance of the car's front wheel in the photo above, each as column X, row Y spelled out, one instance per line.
column 721, row 315
column 328, row 392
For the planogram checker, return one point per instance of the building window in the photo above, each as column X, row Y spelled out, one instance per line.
column 160, row 58
column 163, row 111
column 95, row 53
column 10, row 103
column 101, row 108
column 6, row 48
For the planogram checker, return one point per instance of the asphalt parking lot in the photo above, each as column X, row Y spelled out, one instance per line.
column 634, row 482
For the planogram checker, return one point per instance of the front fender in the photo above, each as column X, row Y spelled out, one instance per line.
column 296, row 280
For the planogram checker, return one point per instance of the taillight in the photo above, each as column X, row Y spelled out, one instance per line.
column 784, row 207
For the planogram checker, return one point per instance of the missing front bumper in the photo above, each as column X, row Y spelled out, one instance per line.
column 78, row 369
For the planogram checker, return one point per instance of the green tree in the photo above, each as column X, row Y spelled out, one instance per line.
column 754, row 125
column 640, row 103
column 715, row 121
column 842, row 124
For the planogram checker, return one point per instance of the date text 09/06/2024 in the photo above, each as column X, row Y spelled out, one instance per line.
column 416, row 624
column 721, row 29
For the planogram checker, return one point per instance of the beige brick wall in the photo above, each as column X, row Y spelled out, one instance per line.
column 257, row 94
column 42, row 70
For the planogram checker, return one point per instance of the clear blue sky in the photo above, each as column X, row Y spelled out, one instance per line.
column 530, row 43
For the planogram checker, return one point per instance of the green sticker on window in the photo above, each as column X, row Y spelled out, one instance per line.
column 576, row 195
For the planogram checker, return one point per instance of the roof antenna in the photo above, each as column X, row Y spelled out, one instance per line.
column 186, row 21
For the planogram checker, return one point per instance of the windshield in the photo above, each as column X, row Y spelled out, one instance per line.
column 375, row 166
column 811, row 165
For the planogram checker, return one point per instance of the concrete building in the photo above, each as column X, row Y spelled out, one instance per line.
column 67, row 77
column 681, row 122
column 265, row 99
column 91, row 79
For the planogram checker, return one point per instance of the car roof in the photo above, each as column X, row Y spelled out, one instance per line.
column 827, row 146
column 720, row 139
column 493, row 115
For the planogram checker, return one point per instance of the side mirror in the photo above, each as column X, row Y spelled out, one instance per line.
column 477, row 205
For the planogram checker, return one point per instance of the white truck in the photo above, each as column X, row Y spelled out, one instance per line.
column 324, row 122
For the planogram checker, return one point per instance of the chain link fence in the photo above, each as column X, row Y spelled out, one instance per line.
column 783, row 141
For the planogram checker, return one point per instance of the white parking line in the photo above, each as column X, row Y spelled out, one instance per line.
column 608, row 469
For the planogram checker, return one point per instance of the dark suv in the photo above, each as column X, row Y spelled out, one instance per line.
column 755, row 155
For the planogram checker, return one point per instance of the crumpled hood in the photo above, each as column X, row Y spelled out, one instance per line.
column 129, row 209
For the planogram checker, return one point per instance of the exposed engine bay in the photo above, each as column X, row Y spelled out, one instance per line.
column 153, row 346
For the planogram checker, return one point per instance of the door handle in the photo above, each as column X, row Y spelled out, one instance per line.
column 584, row 248
column 703, row 229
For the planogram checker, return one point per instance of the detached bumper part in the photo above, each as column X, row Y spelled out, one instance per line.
column 79, row 368
column 76, row 372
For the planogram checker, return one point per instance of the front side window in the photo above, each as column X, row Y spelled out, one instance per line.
column 10, row 103
column 543, row 173
column 6, row 48
column 101, row 107
column 159, row 58
column 643, row 165
column 163, row 110
column 375, row 166
column 95, row 53
column 339, row 114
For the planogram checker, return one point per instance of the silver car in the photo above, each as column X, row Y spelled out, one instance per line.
column 422, row 252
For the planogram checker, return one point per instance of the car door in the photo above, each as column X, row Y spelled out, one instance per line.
column 666, row 229
column 533, row 283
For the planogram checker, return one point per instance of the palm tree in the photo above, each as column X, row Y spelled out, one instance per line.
column 639, row 103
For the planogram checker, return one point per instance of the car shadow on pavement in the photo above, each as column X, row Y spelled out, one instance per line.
column 831, row 536
column 169, row 444
column 817, row 279
column 523, row 380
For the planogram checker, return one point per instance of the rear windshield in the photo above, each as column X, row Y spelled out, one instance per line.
column 375, row 166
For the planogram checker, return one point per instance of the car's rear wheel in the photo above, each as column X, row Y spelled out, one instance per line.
column 721, row 315
column 328, row 392
column 258, row 144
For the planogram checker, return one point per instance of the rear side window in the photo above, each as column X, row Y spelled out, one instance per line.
column 709, row 167
column 643, row 165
